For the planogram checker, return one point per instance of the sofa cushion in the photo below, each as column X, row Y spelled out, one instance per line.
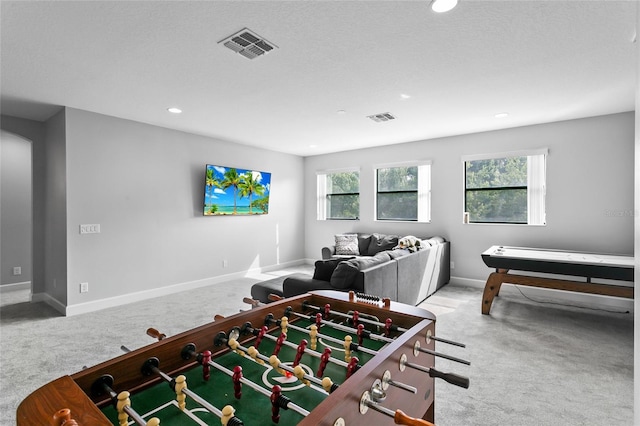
column 345, row 274
column 324, row 268
column 363, row 243
column 396, row 253
column 347, row 244
column 380, row 242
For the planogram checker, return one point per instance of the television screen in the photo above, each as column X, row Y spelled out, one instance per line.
column 233, row 191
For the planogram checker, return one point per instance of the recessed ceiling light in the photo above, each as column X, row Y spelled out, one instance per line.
column 501, row 115
column 174, row 110
column 404, row 96
column 341, row 111
column 441, row 6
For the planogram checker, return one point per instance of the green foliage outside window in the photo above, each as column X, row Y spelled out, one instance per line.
column 397, row 193
column 343, row 194
column 496, row 190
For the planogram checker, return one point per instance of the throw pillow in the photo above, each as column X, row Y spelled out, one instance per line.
column 324, row 269
column 381, row 242
column 344, row 275
column 347, row 244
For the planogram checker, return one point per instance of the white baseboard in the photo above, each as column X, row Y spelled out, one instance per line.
column 25, row 285
column 545, row 295
column 82, row 308
column 46, row 298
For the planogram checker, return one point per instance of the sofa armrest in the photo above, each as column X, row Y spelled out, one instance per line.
column 328, row 252
column 294, row 286
column 379, row 280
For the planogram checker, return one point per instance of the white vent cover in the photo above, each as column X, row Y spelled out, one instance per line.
column 248, row 44
column 385, row 116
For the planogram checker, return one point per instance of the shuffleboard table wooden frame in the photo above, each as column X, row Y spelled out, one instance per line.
column 556, row 262
column 74, row 392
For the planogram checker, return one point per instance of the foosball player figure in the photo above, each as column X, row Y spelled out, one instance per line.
column 347, row 347
column 260, row 335
column 253, row 353
column 352, row 367
column 299, row 373
column 181, row 383
column 327, row 311
column 300, row 351
column 387, row 326
column 319, row 320
column 227, row 414
column 237, row 385
column 360, row 334
column 355, row 318
column 63, row 418
column 206, row 368
column 284, row 323
column 276, row 391
column 313, row 336
column 324, row 359
column 275, row 362
column 279, row 343
column 123, row 401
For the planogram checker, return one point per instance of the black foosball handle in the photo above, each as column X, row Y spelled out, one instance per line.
column 452, row 378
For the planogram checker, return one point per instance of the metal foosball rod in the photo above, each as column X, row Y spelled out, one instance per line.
column 326, row 383
column 189, row 351
column 179, row 385
column 120, row 401
column 386, row 324
column 366, row 333
column 270, row 319
column 452, row 378
column 399, row 417
column 359, row 348
column 247, row 329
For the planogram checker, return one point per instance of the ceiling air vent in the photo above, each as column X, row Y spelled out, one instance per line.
column 248, row 44
column 385, row 116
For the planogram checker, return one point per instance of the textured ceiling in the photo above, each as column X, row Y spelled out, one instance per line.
column 540, row 61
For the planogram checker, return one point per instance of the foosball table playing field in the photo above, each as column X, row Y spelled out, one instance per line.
column 324, row 358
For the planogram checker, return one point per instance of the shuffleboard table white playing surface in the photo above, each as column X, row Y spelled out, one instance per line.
column 557, row 262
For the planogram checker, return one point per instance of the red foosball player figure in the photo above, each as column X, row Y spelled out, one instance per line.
column 387, row 326
column 276, row 391
column 279, row 343
column 360, row 334
column 355, row 318
column 327, row 311
column 301, row 348
column 324, row 359
column 206, row 368
column 260, row 336
column 352, row 367
column 237, row 385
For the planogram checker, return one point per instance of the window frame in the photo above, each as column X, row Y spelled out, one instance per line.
column 535, row 187
column 323, row 203
column 423, row 203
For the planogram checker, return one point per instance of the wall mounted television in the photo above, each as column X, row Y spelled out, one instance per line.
column 234, row 191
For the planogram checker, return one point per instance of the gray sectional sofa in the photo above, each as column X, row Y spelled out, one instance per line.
column 379, row 267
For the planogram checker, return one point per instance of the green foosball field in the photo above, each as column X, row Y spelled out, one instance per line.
column 253, row 408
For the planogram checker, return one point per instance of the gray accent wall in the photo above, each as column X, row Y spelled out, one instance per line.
column 15, row 203
column 144, row 186
column 589, row 203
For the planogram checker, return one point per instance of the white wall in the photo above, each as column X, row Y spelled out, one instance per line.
column 590, row 170
column 144, row 185
column 15, row 191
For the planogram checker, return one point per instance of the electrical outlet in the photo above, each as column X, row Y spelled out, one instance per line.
column 84, row 287
column 453, row 266
column 90, row 229
column 17, row 270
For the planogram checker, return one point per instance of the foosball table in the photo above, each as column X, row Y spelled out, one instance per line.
column 324, row 358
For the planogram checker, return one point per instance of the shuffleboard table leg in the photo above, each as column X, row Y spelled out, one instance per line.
column 491, row 290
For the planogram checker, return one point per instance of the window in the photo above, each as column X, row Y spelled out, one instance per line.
column 339, row 195
column 505, row 188
column 403, row 193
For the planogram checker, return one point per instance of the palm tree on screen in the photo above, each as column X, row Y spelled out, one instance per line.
column 251, row 185
column 232, row 179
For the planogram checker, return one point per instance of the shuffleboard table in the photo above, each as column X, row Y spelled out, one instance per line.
column 388, row 374
column 557, row 262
